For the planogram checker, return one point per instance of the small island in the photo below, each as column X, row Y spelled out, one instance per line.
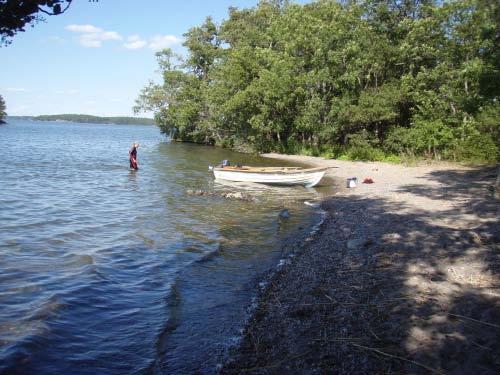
column 119, row 120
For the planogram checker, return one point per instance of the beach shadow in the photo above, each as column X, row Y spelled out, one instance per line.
column 476, row 185
column 388, row 287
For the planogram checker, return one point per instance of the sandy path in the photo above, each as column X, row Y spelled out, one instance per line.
column 402, row 277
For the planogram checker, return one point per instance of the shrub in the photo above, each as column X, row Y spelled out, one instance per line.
column 431, row 138
column 328, row 155
column 392, row 159
column 488, row 121
column 368, row 153
column 344, row 157
column 474, row 145
column 435, row 139
column 427, row 137
column 398, row 141
column 363, row 146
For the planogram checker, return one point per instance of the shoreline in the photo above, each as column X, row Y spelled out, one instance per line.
column 96, row 121
column 401, row 276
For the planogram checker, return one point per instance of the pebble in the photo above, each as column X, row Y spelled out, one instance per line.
column 358, row 242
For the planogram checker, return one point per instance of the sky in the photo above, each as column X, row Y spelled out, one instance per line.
column 96, row 57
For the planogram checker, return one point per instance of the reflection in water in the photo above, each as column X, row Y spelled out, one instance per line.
column 132, row 179
column 106, row 270
column 274, row 193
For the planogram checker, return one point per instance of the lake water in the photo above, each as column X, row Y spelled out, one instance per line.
column 109, row 271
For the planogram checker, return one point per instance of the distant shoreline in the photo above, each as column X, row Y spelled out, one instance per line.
column 89, row 119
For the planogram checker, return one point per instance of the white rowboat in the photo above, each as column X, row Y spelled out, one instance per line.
column 308, row 177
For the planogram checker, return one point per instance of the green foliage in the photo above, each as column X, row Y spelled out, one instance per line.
column 430, row 137
column 488, row 122
column 15, row 15
column 474, row 145
column 391, row 158
column 399, row 141
column 3, row 108
column 366, row 80
column 363, row 146
column 434, row 139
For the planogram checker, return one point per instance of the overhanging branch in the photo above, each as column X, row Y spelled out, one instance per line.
column 56, row 13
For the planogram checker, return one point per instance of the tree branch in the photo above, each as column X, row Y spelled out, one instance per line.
column 55, row 14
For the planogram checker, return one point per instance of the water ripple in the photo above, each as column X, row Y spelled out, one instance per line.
column 109, row 271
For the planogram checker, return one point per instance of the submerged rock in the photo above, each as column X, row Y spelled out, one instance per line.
column 284, row 214
column 198, row 192
column 238, row 195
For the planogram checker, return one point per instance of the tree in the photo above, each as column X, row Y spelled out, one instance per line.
column 2, row 110
column 360, row 79
column 16, row 14
column 180, row 103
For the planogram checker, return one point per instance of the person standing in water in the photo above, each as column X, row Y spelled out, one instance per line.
column 133, row 156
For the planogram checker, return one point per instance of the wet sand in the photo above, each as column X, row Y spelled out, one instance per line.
column 401, row 277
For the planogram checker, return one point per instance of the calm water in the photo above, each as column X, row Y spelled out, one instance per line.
column 104, row 270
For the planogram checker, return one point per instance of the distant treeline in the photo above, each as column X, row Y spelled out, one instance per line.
column 96, row 119
column 365, row 79
column 2, row 110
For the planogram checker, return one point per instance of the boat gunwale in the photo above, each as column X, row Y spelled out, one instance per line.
column 290, row 170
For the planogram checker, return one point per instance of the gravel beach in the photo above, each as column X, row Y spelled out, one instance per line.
column 402, row 277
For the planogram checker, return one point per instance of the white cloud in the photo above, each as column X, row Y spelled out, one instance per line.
column 159, row 42
column 135, row 45
column 83, row 28
column 110, row 35
column 92, row 36
column 156, row 42
column 16, row 89
column 135, row 42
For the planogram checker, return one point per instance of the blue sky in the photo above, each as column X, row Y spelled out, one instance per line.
column 95, row 58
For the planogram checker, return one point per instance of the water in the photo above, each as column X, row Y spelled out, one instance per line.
column 110, row 271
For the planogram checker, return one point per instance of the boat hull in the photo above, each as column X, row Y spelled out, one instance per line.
column 306, row 178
